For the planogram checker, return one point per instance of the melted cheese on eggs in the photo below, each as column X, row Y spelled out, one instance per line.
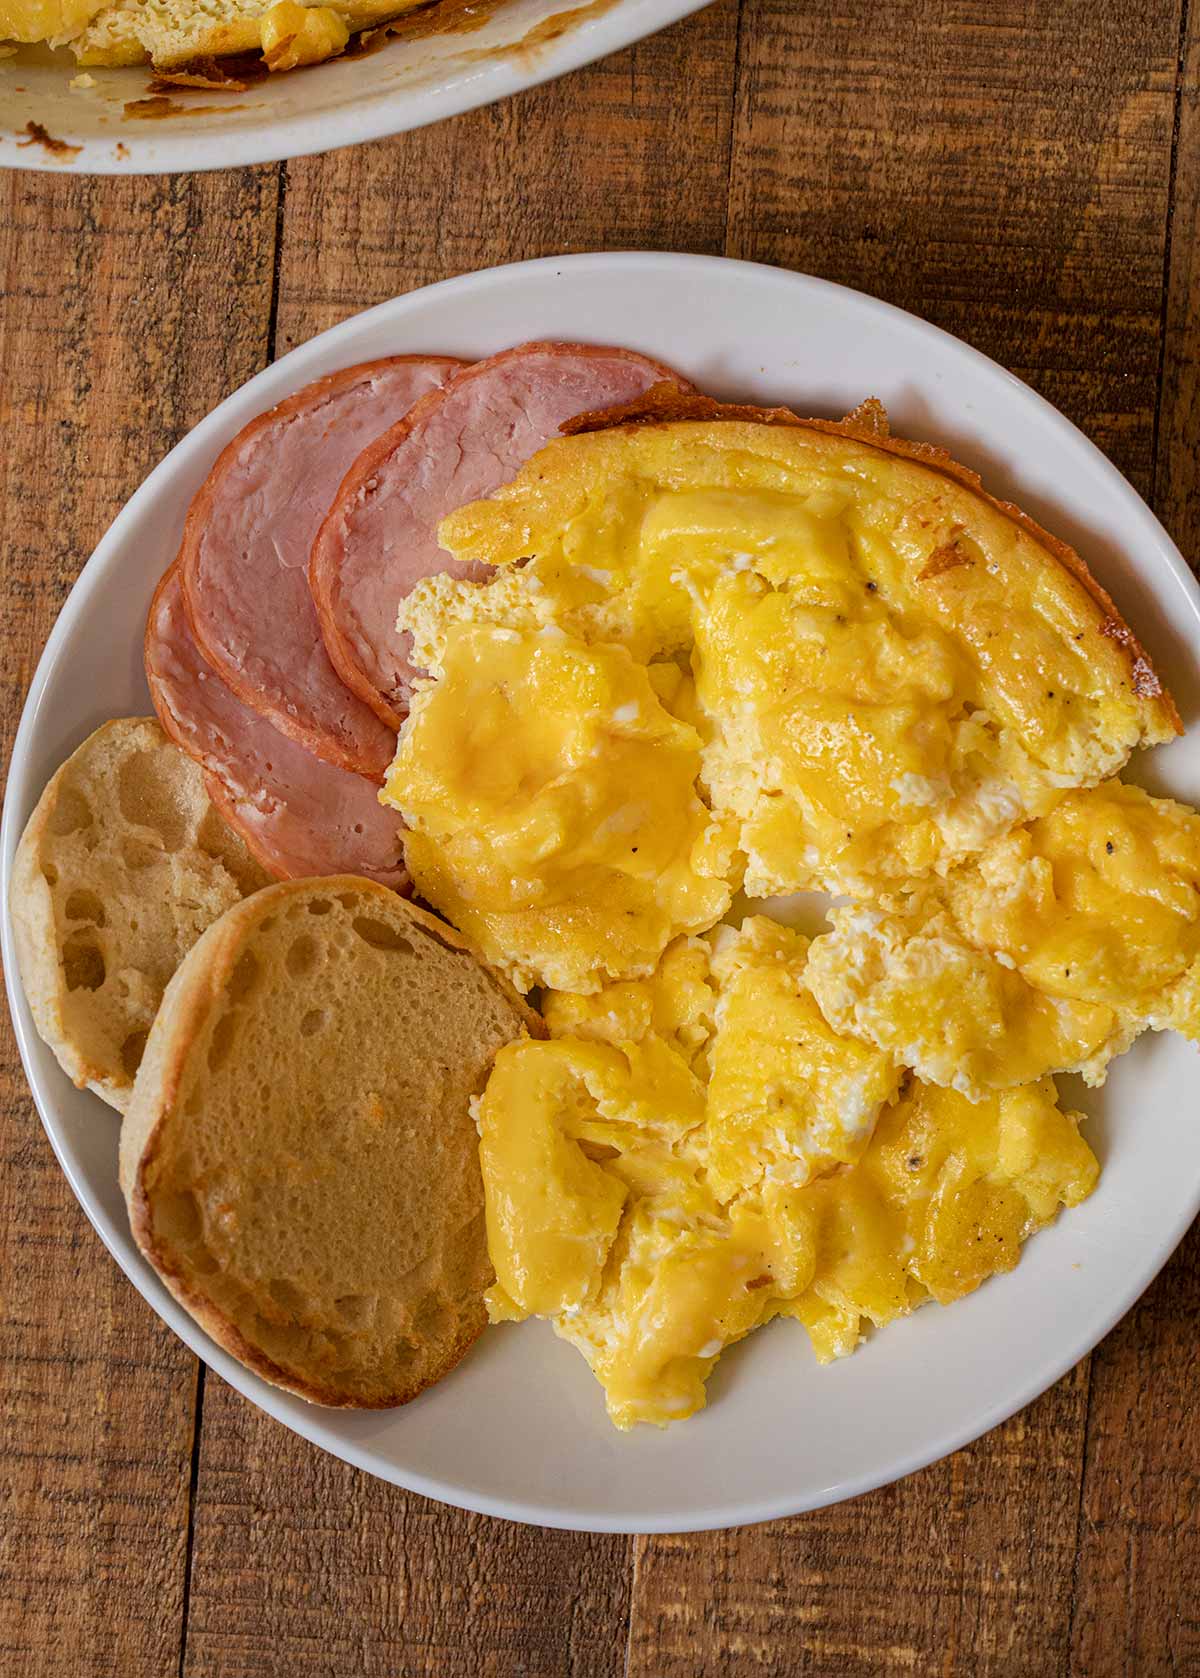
column 943, row 1198
column 910, row 983
column 888, row 671
column 552, row 803
column 1099, row 902
column 693, row 1155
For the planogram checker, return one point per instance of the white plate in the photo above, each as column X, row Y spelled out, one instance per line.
column 519, row 1429
column 405, row 85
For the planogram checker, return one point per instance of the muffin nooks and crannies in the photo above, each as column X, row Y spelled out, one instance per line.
column 299, row 1159
column 123, row 864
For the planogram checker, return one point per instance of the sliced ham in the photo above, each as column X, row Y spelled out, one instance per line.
column 246, row 547
column 299, row 815
column 460, row 443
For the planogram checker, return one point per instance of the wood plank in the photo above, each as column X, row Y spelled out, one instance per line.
column 129, row 308
column 1137, row 1608
column 1136, row 1605
column 1176, row 496
column 304, row 1565
column 301, row 1564
column 609, row 158
column 970, row 164
column 963, row 1569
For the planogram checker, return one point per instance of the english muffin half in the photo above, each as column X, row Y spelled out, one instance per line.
column 300, row 1161
column 122, row 865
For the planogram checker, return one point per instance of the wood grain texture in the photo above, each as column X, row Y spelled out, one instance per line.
column 304, row 1566
column 963, row 1569
column 125, row 318
column 1177, row 458
column 1137, row 1607
column 999, row 168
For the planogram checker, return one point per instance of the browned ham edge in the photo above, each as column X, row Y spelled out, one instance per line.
column 246, row 549
column 458, row 444
column 299, row 815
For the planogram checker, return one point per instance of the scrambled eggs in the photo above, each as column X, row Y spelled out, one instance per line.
column 788, row 1099
column 888, row 670
column 658, row 1177
column 552, row 801
column 1050, row 952
column 45, row 20
column 726, row 656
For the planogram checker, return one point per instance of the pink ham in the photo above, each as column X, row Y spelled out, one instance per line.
column 299, row 815
column 460, row 443
column 246, row 547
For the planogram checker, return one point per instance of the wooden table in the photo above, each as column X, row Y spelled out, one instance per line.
column 1026, row 176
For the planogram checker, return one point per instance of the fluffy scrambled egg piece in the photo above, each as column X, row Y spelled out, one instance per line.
column 1049, row 952
column 888, row 669
column 697, row 1152
column 552, row 802
column 943, row 1198
column 675, row 1003
column 847, row 747
column 788, row 1097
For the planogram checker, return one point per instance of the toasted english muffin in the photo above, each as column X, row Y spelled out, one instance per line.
column 122, row 865
column 300, row 1161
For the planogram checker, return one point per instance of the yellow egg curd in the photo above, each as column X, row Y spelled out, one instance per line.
column 1050, row 952
column 45, row 20
column 552, row 802
column 697, row 1152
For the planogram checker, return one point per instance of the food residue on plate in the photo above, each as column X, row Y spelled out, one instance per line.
column 60, row 150
column 158, row 106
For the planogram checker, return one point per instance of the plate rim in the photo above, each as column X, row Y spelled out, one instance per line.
column 270, row 140
column 288, row 373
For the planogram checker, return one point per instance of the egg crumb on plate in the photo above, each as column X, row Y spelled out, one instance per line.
column 659, row 1177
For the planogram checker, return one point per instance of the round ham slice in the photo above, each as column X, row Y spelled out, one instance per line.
column 299, row 815
column 461, row 443
column 247, row 542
